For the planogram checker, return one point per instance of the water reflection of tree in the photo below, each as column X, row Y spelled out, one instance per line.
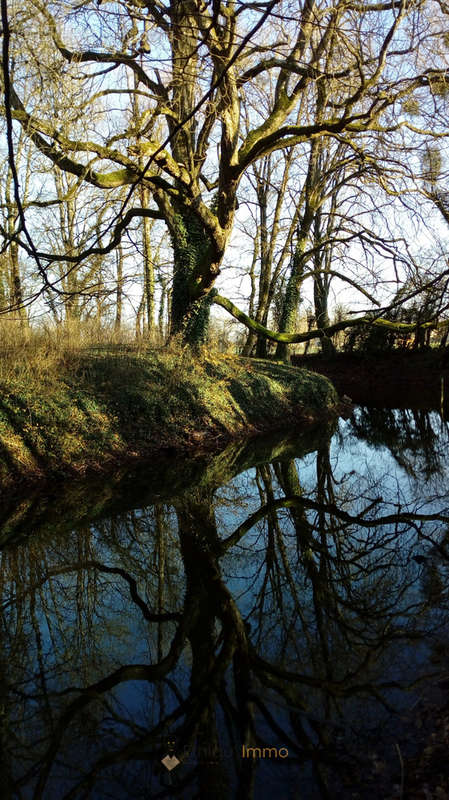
column 416, row 438
column 331, row 597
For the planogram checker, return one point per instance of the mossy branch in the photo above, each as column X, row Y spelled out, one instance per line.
column 292, row 338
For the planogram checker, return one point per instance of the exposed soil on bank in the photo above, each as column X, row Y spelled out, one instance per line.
column 396, row 380
column 104, row 410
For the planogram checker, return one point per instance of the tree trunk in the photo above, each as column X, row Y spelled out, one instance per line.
column 16, row 282
column 148, row 266
column 321, row 280
column 139, row 316
column 119, row 289
column 190, row 308
column 265, row 259
column 292, row 296
column 161, row 313
column 320, row 294
column 299, row 260
column 251, row 337
column 15, row 279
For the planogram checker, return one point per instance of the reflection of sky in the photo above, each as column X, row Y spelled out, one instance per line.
column 361, row 474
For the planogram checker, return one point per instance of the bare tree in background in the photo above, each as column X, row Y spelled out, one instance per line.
column 192, row 63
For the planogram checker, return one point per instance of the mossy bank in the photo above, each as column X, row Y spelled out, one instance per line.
column 103, row 409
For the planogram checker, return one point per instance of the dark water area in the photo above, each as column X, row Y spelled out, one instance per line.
column 274, row 618
column 397, row 379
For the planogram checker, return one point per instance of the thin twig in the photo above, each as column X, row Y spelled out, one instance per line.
column 401, row 761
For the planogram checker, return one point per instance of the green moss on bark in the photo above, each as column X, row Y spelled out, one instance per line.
column 190, row 313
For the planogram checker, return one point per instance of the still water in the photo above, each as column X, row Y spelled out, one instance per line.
column 288, row 595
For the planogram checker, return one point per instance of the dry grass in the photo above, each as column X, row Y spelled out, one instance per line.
column 44, row 352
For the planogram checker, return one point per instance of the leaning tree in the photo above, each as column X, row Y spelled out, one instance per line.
column 191, row 63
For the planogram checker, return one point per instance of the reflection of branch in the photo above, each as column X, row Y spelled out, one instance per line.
column 329, row 508
column 388, row 519
column 136, row 749
column 283, row 736
column 133, row 592
column 338, row 687
column 130, row 672
column 192, row 708
column 148, row 615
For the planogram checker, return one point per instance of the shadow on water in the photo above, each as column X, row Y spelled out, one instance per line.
column 270, row 621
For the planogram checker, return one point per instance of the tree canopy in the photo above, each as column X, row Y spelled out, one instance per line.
column 124, row 95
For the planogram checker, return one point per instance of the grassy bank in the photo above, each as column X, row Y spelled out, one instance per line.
column 89, row 409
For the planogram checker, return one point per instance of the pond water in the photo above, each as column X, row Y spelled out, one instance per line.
column 288, row 595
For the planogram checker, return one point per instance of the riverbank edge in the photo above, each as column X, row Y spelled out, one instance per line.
column 104, row 411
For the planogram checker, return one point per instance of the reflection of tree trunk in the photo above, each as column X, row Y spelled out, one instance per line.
column 321, row 596
column 160, row 525
column 307, row 546
column 5, row 734
column 210, row 601
column 199, row 547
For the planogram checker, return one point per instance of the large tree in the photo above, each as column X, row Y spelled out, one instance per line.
column 192, row 63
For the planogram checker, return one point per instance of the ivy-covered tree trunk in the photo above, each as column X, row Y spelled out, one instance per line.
column 16, row 282
column 292, row 297
column 15, row 279
column 148, row 264
column 291, row 303
column 300, row 258
column 320, row 293
column 190, row 310
column 322, row 260
column 119, row 288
